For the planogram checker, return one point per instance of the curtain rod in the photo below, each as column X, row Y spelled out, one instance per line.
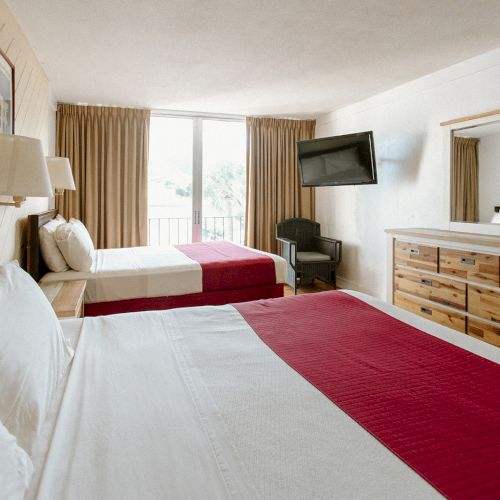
column 196, row 114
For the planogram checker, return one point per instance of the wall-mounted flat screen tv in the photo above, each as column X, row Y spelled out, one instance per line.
column 338, row 161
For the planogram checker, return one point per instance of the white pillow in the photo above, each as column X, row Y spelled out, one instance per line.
column 76, row 245
column 34, row 355
column 48, row 246
column 16, row 467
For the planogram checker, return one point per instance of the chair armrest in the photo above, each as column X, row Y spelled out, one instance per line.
column 330, row 247
column 324, row 238
column 285, row 240
column 288, row 250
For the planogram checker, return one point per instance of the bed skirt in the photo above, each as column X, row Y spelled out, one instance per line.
column 212, row 298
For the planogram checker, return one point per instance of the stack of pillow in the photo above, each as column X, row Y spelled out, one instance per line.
column 66, row 245
column 34, row 358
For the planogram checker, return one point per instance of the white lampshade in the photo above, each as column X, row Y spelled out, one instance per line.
column 23, row 169
column 60, row 173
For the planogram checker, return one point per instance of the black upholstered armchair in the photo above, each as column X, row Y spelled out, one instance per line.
column 308, row 254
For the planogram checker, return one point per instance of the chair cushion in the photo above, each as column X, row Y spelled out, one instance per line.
column 312, row 257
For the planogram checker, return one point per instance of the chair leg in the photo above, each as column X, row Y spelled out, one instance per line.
column 291, row 279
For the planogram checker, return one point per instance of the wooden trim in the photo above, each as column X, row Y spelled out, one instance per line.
column 13, row 84
column 470, row 117
column 35, row 265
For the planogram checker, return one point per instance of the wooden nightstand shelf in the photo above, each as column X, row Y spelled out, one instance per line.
column 66, row 297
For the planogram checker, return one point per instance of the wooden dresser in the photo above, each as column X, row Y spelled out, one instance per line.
column 449, row 277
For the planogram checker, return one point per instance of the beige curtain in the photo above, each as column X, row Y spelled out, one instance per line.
column 465, row 175
column 274, row 191
column 108, row 151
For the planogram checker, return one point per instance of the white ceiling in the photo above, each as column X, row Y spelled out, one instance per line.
column 280, row 57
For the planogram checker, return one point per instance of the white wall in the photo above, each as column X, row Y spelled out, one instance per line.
column 34, row 117
column 489, row 175
column 413, row 188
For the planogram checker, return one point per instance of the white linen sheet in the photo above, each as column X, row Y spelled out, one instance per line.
column 141, row 272
column 190, row 403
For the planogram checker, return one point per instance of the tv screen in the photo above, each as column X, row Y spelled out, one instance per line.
column 338, row 161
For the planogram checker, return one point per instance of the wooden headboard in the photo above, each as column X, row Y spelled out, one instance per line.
column 34, row 262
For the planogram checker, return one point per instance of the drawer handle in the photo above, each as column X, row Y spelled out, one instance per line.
column 465, row 260
column 426, row 310
column 426, row 282
column 415, row 251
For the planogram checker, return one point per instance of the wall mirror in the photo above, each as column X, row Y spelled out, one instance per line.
column 475, row 173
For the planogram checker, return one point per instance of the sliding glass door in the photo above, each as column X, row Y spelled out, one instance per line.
column 223, row 180
column 170, row 181
column 196, row 180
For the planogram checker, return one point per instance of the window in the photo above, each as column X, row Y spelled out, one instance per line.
column 196, row 180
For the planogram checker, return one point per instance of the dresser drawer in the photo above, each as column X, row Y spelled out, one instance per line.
column 484, row 331
column 484, row 303
column 418, row 256
column 438, row 314
column 472, row 266
column 438, row 289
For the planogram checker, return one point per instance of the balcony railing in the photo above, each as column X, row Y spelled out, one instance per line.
column 165, row 231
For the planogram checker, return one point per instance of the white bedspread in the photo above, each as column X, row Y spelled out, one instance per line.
column 140, row 272
column 190, row 403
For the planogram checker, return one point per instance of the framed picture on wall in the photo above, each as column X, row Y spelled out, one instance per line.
column 6, row 95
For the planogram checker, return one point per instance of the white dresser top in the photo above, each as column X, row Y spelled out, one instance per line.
column 451, row 236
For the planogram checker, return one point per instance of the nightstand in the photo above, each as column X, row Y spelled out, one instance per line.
column 66, row 297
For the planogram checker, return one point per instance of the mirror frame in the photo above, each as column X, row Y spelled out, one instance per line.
column 448, row 129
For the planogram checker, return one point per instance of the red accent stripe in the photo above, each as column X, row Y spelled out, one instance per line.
column 214, row 298
column 433, row 404
column 228, row 266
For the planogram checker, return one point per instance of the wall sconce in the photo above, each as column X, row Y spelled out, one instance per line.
column 60, row 174
column 23, row 170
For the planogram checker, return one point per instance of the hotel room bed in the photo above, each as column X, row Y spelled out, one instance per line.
column 148, row 278
column 193, row 403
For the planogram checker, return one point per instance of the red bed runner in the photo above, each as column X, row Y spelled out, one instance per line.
column 226, row 265
column 434, row 405
column 214, row 298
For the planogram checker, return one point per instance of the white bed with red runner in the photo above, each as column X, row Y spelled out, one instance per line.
column 146, row 278
column 194, row 403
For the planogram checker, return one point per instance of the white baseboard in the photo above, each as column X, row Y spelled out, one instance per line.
column 351, row 285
